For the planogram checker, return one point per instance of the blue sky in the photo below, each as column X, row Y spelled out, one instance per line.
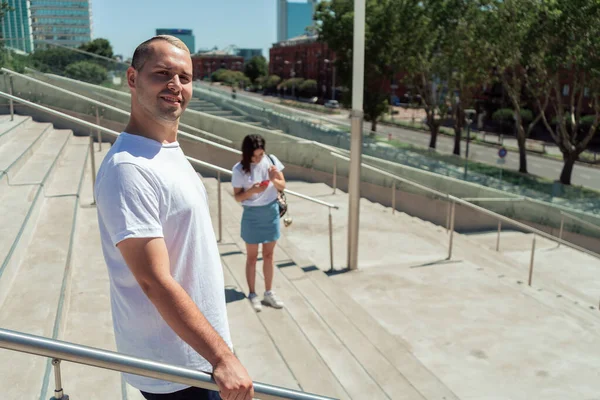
column 245, row 23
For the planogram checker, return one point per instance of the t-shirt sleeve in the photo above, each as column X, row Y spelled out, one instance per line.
column 278, row 164
column 237, row 179
column 128, row 204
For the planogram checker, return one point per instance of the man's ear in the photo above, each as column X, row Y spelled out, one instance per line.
column 131, row 77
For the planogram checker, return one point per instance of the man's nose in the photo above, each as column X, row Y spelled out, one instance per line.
column 175, row 84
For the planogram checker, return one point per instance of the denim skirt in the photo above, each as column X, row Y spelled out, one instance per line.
column 260, row 224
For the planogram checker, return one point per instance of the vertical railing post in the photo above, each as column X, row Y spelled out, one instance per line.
column 93, row 161
column 220, row 206
column 562, row 224
column 532, row 259
column 498, row 238
column 330, row 241
column 334, row 176
column 11, row 91
column 452, row 218
column 394, row 197
column 99, row 131
column 448, row 213
column 58, row 391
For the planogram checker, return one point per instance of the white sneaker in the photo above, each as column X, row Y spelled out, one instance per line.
column 272, row 300
column 255, row 302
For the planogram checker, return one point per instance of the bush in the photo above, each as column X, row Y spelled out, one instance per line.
column 309, row 88
column 504, row 117
column 86, row 71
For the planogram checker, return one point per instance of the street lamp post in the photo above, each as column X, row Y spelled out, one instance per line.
column 358, row 71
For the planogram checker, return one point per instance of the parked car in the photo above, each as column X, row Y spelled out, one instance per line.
column 332, row 104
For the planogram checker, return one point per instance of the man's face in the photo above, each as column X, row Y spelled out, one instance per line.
column 163, row 87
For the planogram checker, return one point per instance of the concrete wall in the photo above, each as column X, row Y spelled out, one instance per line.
column 309, row 162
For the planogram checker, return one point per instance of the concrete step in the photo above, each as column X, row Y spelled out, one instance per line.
column 347, row 352
column 86, row 317
column 22, row 214
column 252, row 341
column 307, row 366
column 38, row 165
column 22, row 143
column 36, row 293
column 8, row 127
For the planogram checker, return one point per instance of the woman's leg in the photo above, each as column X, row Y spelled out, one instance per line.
column 251, row 257
column 268, row 270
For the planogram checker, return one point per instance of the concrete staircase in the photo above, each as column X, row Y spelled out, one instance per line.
column 469, row 321
column 213, row 109
column 407, row 325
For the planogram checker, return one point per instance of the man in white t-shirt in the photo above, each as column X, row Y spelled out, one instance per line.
column 166, row 279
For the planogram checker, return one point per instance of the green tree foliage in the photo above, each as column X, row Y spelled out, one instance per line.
column 256, row 68
column 86, row 71
column 335, row 27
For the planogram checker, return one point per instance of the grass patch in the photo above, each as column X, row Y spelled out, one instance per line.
column 516, row 178
column 311, row 107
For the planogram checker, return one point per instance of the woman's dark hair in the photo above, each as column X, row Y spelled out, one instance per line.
column 249, row 145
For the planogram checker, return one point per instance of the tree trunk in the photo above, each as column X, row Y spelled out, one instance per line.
column 433, row 128
column 457, row 138
column 374, row 125
column 522, row 157
column 569, row 160
column 522, row 150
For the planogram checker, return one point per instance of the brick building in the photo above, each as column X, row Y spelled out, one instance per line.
column 207, row 63
column 304, row 57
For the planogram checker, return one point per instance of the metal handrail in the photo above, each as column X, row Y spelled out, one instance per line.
column 123, row 112
column 453, row 200
column 60, row 350
column 574, row 218
column 192, row 160
column 395, row 177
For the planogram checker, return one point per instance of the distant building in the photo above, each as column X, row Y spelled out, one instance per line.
column 249, row 53
column 207, row 63
column 34, row 23
column 185, row 35
column 293, row 18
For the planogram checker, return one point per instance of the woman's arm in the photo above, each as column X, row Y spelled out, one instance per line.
column 240, row 194
column 277, row 178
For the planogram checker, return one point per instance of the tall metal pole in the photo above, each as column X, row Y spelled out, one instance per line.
column 358, row 72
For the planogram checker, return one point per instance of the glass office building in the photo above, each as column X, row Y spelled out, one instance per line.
column 38, row 22
column 293, row 18
column 185, row 35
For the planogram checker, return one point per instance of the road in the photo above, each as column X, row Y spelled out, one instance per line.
column 546, row 168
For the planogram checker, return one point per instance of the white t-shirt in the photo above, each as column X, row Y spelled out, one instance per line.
column 258, row 173
column 148, row 189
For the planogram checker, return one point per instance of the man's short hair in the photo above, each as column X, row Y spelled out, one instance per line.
column 141, row 53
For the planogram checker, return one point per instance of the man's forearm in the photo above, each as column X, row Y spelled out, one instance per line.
column 183, row 316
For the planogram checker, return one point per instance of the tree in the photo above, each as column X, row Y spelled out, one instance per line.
column 309, row 88
column 569, row 48
column 54, row 59
column 443, row 58
column 101, row 47
column 87, row 71
column 335, row 27
column 509, row 40
column 256, row 68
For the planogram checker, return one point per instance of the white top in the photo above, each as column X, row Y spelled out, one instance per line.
column 258, row 173
column 148, row 189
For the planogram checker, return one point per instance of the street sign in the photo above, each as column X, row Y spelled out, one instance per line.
column 502, row 153
column 501, row 161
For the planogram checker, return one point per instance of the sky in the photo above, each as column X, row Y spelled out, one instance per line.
column 244, row 23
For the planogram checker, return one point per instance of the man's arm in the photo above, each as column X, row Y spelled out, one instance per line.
column 148, row 260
